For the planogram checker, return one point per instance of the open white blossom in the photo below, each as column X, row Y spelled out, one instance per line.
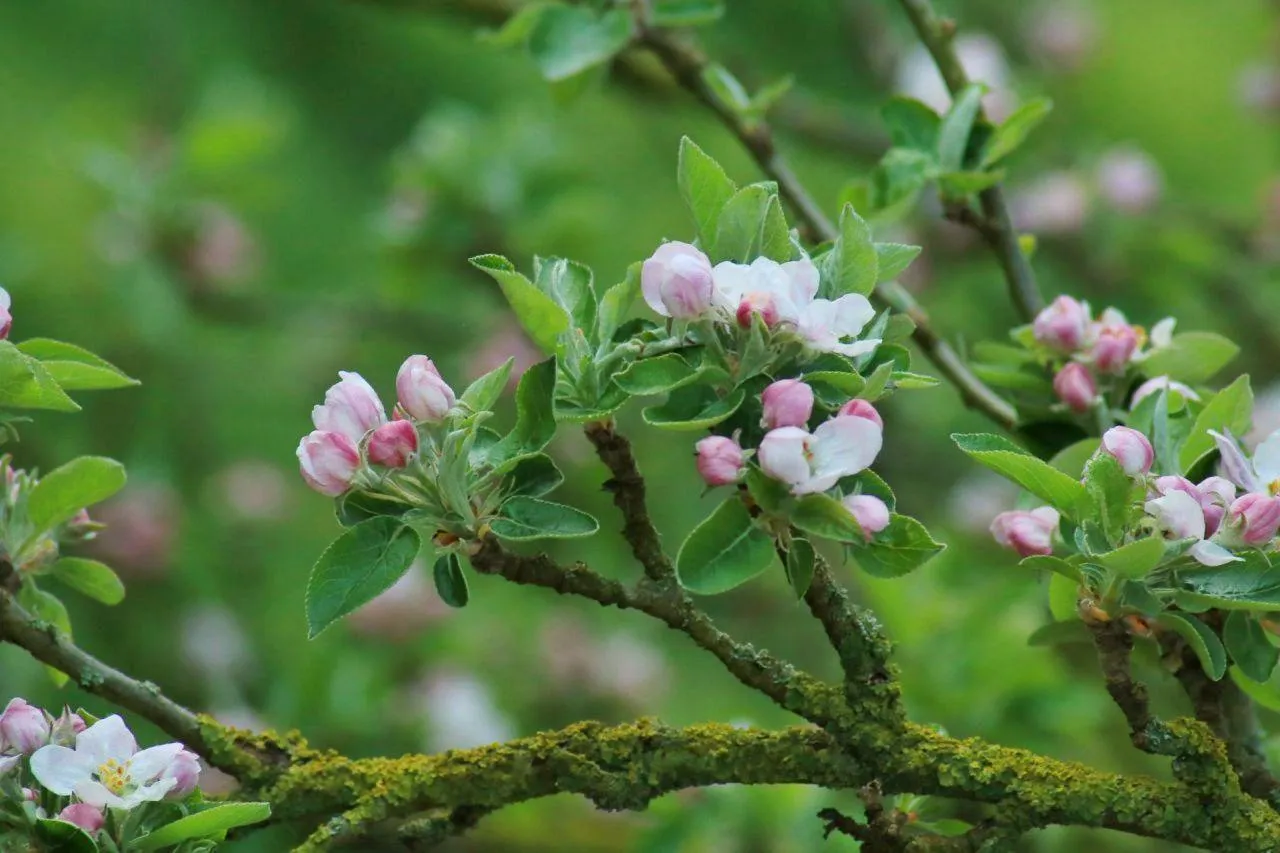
column 106, row 769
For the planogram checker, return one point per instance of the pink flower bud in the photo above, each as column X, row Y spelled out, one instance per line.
column 787, row 402
column 1254, row 518
column 1062, row 325
column 676, row 281
column 1027, row 533
column 24, row 727
column 421, row 390
column 351, row 407
column 393, row 443
column 719, row 460
column 329, row 461
column 760, row 303
column 1113, row 347
column 87, row 817
column 6, row 319
column 65, row 728
column 1074, row 386
column 861, row 409
column 871, row 513
column 1131, row 449
column 184, row 769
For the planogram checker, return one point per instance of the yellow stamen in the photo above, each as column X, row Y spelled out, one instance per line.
column 114, row 776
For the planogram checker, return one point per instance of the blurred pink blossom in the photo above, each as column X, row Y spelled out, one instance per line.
column 1063, row 33
column 506, row 341
column 404, row 610
column 1129, row 180
column 141, row 530
column 253, row 490
column 1057, row 203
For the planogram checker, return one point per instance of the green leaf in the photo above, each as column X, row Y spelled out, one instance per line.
column 567, row 40
column 1250, row 584
column 1061, row 633
column 902, row 547
column 1064, row 595
column 355, row 507
column 705, row 188
column 656, row 375
column 534, row 476
column 685, row 13
column 852, row 265
column 775, row 237
column 535, row 415
column 1248, row 646
column 874, row 387
column 65, row 491
column 957, row 124
column 724, row 551
column 1162, row 439
column 892, row 259
column 1111, row 495
column 911, row 124
column 824, row 516
column 47, row 608
column 74, row 368
column 740, row 225
column 799, row 566
column 616, row 303
column 59, row 836
column 1071, row 459
column 693, row 408
column 25, row 383
column 1265, row 694
column 572, row 286
column 1038, row 477
column 1205, row 643
column 726, row 87
column 90, row 577
column 523, row 518
column 540, row 316
column 1135, row 560
column 905, row 380
column 359, row 565
column 1192, row 357
column 770, row 494
column 482, row 394
column 517, row 28
column 1013, row 131
column 451, row 583
column 1057, row 565
column 213, row 823
column 960, row 184
column 1229, row 409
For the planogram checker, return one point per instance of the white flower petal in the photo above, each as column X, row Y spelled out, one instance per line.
column 849, row 314
column 731, row 282
column 153, row 792
column 802, row 276
column 856, row 349
column 1235, row 467
column 1178, row 513
column 1162, row 333
column 107, row 739
column 844, row 446
column 150, row 763
column 1266, row 460
column 96, row 794
column 1212, row 554
column 782, row 455
column 8, row 762
column 61, row 769
column 1046, row 515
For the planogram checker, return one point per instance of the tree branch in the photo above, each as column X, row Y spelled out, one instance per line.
column 996, row 228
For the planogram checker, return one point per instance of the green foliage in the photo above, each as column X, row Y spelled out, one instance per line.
column 705, row 188
column 451, row 583
column 852, row 264
column 1192, row 357
column 361, row 563
column 26, row 383
column 213, row 822
column 75, row 368
column 1136, row 559
column 957, row 124
column 1038, row 477
column 66, row 490
column 568, row 40
column 1250, row 584
column 1247, row 645
column 89, row 577
column 539, row 314
column 1231, row 409
column 1201, row 639
column 724, row 551
column 685, row 13
column 1011, row 133
column 523, row 518
column 901, row 548
column 827, row 518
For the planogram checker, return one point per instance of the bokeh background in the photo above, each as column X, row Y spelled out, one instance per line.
column 233, row 200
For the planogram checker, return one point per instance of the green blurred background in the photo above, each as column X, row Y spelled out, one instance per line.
column 233, row 200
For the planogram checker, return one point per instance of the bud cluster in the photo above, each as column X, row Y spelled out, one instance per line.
column 33, row 552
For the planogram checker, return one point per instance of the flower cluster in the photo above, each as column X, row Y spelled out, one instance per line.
column 32, row 555
column 1216, row 517
column 678, row 281
column 1096, row 350
column 352, row 432
column 805, row 462
column 82, row 774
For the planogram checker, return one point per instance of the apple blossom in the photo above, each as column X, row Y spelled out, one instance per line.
column 328, row 461
column 825, row 324
column 106, row 768
column 1179, row 516
column 871, row 513
column 1114, row 344
column 719, row 460
column 1029, row 532
column 65, row 728
column 767, row 287
column 1151, row 386
column 787, row 402
column 351, row 407
column 9, row 762
column 393, row 443
column 762, row 304
column 1063, row 324
column 1076, row 387
column 1130, row 448
column 815, row 462
column 1162, row 333
column 6, row 319
column 184, row 770
column 87, row 817
column 1236, row 467
column 1253, row 519
column 1129, row 180
column 676, row 281
column 23, row 727
column 857, row 408
column 1216, row 494
column 421, row 390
